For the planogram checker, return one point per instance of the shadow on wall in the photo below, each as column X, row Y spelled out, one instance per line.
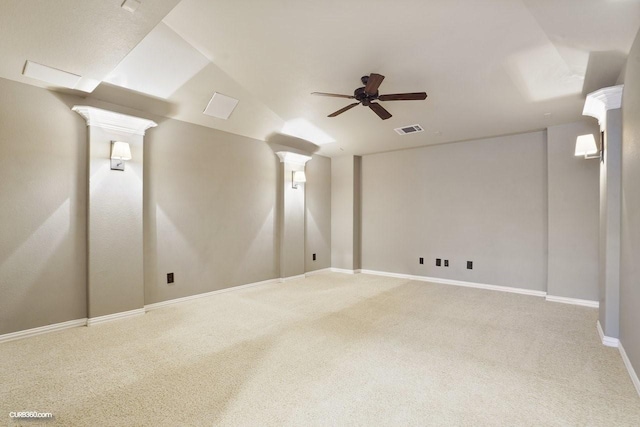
column 43, row 210
column 35, row 261
column 313, row 227
column 213, row 194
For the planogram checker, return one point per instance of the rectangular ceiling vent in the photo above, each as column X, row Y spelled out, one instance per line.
column 409, row 129
column 50, row 75
column 220, row 106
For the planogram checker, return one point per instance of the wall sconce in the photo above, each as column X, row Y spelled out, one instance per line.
column 120, row 152
column 297, row 177
column 586, row 146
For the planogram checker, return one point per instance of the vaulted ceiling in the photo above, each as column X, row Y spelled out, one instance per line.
column 490, row 67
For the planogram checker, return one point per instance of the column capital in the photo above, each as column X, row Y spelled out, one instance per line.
column 293, row 158
column 599, row 102
column 114, row 121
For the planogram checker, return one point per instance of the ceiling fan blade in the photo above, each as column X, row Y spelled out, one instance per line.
column 416, row 96
column 335, row 95
column 380, row 111
column 373, row 83
column 342, row 110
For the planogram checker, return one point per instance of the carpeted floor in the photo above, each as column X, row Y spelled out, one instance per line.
column 330, row 349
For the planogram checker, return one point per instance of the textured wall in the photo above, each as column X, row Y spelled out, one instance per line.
column 573, row 213
column 43, row 185
column 318, row 213
column 482, row 201
column 630, row 235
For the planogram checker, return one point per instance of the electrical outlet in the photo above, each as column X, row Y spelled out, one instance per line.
column 169, row 277
column 446, row 263
column 438, row 262
column 421, row 260
column 469, row 265
column 314, row 257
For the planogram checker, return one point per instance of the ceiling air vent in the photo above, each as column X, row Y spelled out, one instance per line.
column 220, row 106
column 409, row 129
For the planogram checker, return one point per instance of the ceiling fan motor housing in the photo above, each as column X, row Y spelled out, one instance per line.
column 363, row 97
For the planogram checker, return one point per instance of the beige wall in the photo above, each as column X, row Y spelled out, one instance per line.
column 573, row 200
column 292, row 247
column 344, row 213
column 210, row 210
column 116, row 268
column 357, row 212
column 318, row 213
column 630, row 224
column 43, row 187
column 482, row 201
column 610, row 215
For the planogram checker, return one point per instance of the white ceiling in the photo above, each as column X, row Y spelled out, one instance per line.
column 490, row 67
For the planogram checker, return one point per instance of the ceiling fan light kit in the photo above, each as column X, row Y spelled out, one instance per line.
column 367, row 94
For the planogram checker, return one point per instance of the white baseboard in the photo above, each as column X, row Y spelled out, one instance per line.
column 608, row 341
column 573, row 301
column 157, row 305
column 521, row 291
column 115, row 316
column 287, row 279
column 632, row 372
column 42, row 330
column 386, row 274
column 320, row 271
column 458, row 283
column 345, row 271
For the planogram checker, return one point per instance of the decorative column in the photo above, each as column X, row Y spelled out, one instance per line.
column 604, row 105
column 115, row 285
column 292, row 211
column 346, row 221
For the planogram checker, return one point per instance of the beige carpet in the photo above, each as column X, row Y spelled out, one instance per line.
column 331, row 349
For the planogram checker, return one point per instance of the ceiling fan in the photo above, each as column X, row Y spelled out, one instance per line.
column 369, row 92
